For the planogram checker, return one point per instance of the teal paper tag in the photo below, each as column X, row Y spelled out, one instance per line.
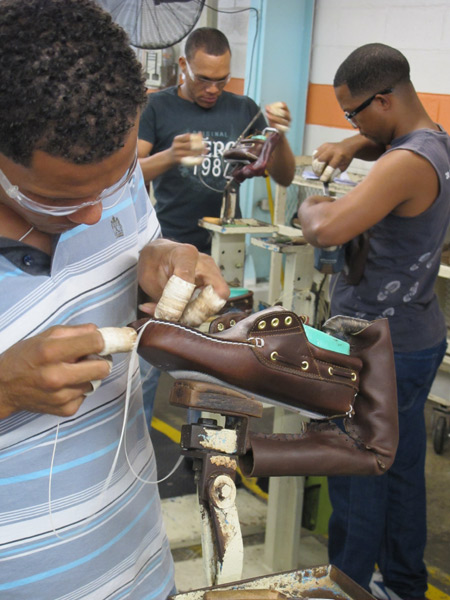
column 325, row 341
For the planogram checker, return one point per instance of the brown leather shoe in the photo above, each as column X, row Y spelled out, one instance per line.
column 368, row 443
column 252, row 155
column 266, row 353
column 246, row 150
column 242, row 303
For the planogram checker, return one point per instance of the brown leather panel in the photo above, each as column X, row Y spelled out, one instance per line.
column 376, row 413
column 323, row 450
column 234, row 357
column 369, row 444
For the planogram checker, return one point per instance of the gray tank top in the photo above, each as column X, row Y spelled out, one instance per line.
column 404, row 259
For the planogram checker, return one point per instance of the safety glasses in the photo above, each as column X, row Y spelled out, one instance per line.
column 204, row 81
column 59, row 207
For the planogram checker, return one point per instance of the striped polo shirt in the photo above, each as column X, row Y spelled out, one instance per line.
column 63, row 534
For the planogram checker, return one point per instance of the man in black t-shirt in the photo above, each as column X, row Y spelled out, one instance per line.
column 185, row 194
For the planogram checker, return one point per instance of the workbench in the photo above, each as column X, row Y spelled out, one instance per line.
column 325, row 582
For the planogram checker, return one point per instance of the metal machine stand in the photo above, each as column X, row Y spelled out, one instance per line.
column 304, row 290
column 215, row 450
column 229, row 202
column 440, row 391
column 228, row 245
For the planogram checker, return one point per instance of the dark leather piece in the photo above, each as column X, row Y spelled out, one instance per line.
column 356, row 252
column 226, row 320
column 258, row 167
column 244, row 303
column 266, row 353
column 247, row 150
column 369, row 443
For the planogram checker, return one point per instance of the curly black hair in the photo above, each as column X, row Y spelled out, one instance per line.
column 372, row 68
column 70, row 83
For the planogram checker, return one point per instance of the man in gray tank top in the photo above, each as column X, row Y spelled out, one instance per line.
column 402, row 208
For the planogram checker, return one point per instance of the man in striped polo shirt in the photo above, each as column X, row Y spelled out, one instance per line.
column 80, row 516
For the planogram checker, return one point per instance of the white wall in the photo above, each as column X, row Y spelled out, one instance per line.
column 418, row 28
column 231, row 17
column 235, row 25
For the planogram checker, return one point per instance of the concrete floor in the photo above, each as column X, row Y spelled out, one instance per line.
column 187, row 550
column 437, row 471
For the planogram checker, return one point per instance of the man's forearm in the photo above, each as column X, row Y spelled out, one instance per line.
column 364, row 149
column 157, row 164
column 282, row 167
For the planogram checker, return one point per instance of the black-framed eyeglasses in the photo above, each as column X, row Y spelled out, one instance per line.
column 350, row 115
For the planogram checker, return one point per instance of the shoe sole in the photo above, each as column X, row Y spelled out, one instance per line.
column 197, row 376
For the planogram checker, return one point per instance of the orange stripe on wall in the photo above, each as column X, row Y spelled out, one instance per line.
column 323, row 109
column 438, row 107
column 236, row 86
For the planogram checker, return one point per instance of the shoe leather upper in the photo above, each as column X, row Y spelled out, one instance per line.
column 266, row 353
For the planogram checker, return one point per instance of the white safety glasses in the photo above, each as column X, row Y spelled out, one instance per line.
column 204, row 81
column 59, row 207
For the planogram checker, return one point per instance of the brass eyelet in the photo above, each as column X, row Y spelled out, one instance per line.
column 275, row 322
column 262, row 325
column 305, row 365
column 330, row 370
column 220, row 326
column 232, row 322
column 274, row 355
column 354, row 377
column 288, row 321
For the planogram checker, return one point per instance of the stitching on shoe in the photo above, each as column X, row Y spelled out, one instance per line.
column 297, row 330
column 296, row 371
column 200, row 334
column 269, row 363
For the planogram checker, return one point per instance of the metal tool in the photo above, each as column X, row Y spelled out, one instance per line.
column 215, row 451
column 249, row 125
column 332, row 259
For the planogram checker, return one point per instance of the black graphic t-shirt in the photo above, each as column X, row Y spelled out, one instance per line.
column 185, row 194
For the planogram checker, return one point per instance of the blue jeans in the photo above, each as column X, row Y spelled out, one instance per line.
column 382, row 519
